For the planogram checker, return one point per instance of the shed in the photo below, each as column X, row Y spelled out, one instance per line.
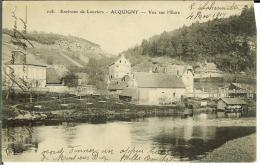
column 231, row 104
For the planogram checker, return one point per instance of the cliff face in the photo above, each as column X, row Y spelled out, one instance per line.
column 53, row 49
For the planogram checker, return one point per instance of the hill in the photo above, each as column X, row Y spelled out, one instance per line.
column 49, row 48
column 228, row 42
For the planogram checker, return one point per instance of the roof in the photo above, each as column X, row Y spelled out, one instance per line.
column 244, row 86
column 233, row 101
column 181, row 68
column 52, row 77
column 157, row 80
column 119, row 58
column 131, row 92
column 44, row 66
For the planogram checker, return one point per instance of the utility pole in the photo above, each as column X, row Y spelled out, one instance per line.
column 19, row 40
column 25, row 69
column 10, row 90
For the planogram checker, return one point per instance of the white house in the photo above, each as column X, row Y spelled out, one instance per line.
column 119, row 68
column 18, row 75
column 154, row 89
column 117, row 73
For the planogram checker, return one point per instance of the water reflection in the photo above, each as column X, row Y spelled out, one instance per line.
column 20, row 139
column 185, row 139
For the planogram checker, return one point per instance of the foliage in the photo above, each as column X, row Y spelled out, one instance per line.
column 97, row 70
column 71, row 80
column 229, row 42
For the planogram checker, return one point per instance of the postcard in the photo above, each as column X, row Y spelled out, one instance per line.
column 128, row 81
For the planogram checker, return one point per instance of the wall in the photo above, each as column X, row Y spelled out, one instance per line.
column 188, row 80
column 36, row 75
column 157, row 96
column 221, row 105
column 56, row 88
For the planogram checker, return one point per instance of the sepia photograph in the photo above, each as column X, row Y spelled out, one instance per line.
column 128, row 81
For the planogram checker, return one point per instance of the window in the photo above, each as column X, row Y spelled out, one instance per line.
column 120, row 61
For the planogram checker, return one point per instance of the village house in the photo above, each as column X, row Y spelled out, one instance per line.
column 207, row 70
column 153, row 89
column 185, row 72
column 119, row 68
column 117, row 71
column 241, row 90
column 26, row 76
column 232, row 105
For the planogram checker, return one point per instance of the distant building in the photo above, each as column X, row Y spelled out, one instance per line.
column 231, row 104
column 207, row 70
column 117, row 73
column 154, row 89
column 22, row 75
column 119, row 68
column 185, row 72
column 241, row 90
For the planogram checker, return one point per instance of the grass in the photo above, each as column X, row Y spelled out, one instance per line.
column 238, row 150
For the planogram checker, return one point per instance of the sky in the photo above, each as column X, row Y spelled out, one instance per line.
column 113, row 32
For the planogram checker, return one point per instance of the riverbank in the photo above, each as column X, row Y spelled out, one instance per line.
column 238, row 150
column 85, row 109
column 56, row 108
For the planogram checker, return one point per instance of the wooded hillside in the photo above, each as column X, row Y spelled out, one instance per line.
column 229, row 42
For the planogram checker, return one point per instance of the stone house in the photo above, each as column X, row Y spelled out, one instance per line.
column 154, row 89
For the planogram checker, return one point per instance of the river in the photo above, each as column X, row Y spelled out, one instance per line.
column 186, row 139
